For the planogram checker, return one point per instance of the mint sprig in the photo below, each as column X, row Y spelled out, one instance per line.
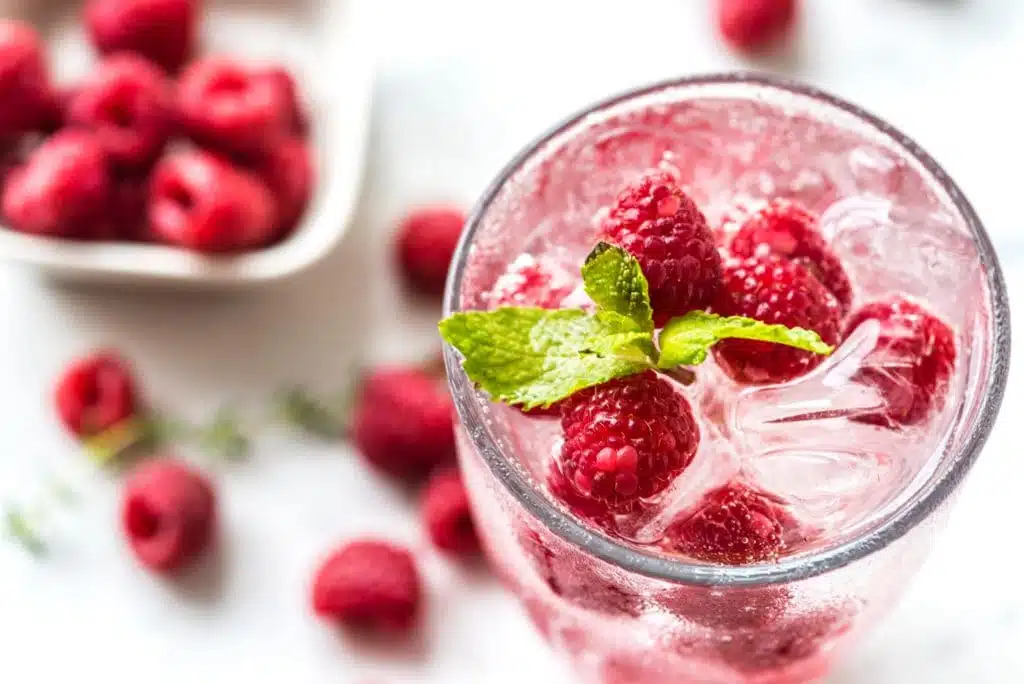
column 534, row 357
column 613, row 279
column 685, row 340
column 21, row 529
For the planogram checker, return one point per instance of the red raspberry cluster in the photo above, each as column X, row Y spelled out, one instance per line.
column 210, row 156
column 626, row 441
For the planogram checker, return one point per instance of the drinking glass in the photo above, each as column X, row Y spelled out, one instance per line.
column 624, row 614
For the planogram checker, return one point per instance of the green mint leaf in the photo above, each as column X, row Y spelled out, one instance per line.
column 125, row 439
column 535, row 357
column 613, row 279
column 323, row 419
column 20, row 529
column 223, row 437
column 685, row 340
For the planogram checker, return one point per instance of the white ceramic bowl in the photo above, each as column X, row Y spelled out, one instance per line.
column 328, row 46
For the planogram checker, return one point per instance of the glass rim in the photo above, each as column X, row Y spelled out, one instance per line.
column 633, row 560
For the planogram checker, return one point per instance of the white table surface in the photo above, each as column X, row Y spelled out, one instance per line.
column 462, row 85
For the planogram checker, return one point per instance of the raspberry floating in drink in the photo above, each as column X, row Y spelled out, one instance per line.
column 788, row 230
column 656, row 222
column 627, row 439
column 912, row 364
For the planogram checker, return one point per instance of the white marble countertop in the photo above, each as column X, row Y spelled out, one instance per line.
column 462, row 85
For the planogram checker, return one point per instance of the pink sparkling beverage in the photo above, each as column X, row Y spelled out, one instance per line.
column 870, row 498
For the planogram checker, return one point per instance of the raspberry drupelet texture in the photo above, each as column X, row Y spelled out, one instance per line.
column 425, row 244
column 748, row 25
column 128, row 106
column 402, row 422
column 579, row 504
column 369, row 584
column 775, row 291
column 162, row 31
column 96, row 392
column 200, row 202
column 25, row 93
column 627, row 439
column 733, row 525
column 447, row 515
column 656, row 222
column 228, row 106
column 62, row 190
column 789, row 230
column 912, row 363
column 168, row 514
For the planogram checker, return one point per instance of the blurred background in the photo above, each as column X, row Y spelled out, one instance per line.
column 458, row 88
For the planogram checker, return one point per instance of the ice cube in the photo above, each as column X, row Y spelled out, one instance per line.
column 826, row 393
column 800, row 440
column 891, row 248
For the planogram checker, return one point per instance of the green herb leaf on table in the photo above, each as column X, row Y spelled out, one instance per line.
column 19, row 528
column 324, row 419
column 129, row 437
column 685, row 341
column 535, row 357
column 613, row 279
column 223, row 437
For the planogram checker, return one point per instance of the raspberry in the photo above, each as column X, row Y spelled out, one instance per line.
column 402, row 422
column 295, row 114
column 733, row 525
column 225, row 105
column 579, row 505
column 749, row 24
column 773, row 290
column 25, row 97
column 162, row 31
column 627, row 439
column 168, row 514
column 447, row 515
column 530, row 282
column 656, row 222
column 912, row 363
column 126, row 104
column 369, row 583
column 63, row 188
column 95, row 393
column 201, row 202
column 426, row 242
column 287, row 169
column 790, row 231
